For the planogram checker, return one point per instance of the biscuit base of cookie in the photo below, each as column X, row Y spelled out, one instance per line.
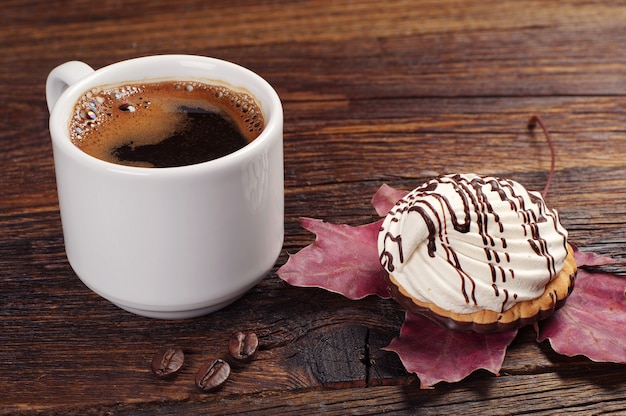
column 488, row 321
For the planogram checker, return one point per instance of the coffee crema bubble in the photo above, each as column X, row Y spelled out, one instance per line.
column 164, row 124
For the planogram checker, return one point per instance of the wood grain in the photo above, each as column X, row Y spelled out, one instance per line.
column 373, row 92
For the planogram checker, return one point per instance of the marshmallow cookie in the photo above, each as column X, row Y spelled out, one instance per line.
column 476, row 253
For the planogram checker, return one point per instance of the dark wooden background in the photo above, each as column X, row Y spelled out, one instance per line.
column 374, row 92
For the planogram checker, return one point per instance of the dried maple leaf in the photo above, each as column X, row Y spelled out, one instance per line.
column 437, row 354
column 593, row 320
column 343, row 259
column 385, row 198
column 585, row 259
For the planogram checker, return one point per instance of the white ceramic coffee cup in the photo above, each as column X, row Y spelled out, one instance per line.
column 174, row 242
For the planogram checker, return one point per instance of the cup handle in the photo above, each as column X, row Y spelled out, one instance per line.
column 62, row 77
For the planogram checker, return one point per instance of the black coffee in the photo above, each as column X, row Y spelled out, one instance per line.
column 164, row 124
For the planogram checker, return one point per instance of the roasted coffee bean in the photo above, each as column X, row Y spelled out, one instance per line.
column 243, row 345
column 167, row 361
column 212, row 375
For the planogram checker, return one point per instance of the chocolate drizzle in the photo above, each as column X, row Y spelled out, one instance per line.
column 386, row 258
column 466, row 202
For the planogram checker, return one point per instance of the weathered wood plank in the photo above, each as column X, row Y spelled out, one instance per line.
column 374, row 92
column 502, row 395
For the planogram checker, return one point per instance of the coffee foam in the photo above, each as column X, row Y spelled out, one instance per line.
column 141, row 114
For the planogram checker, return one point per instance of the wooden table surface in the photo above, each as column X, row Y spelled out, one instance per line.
column 374, row 92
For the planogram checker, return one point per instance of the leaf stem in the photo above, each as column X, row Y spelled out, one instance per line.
column 532, row 123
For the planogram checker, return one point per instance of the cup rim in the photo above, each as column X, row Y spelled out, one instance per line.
column 271, row 107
